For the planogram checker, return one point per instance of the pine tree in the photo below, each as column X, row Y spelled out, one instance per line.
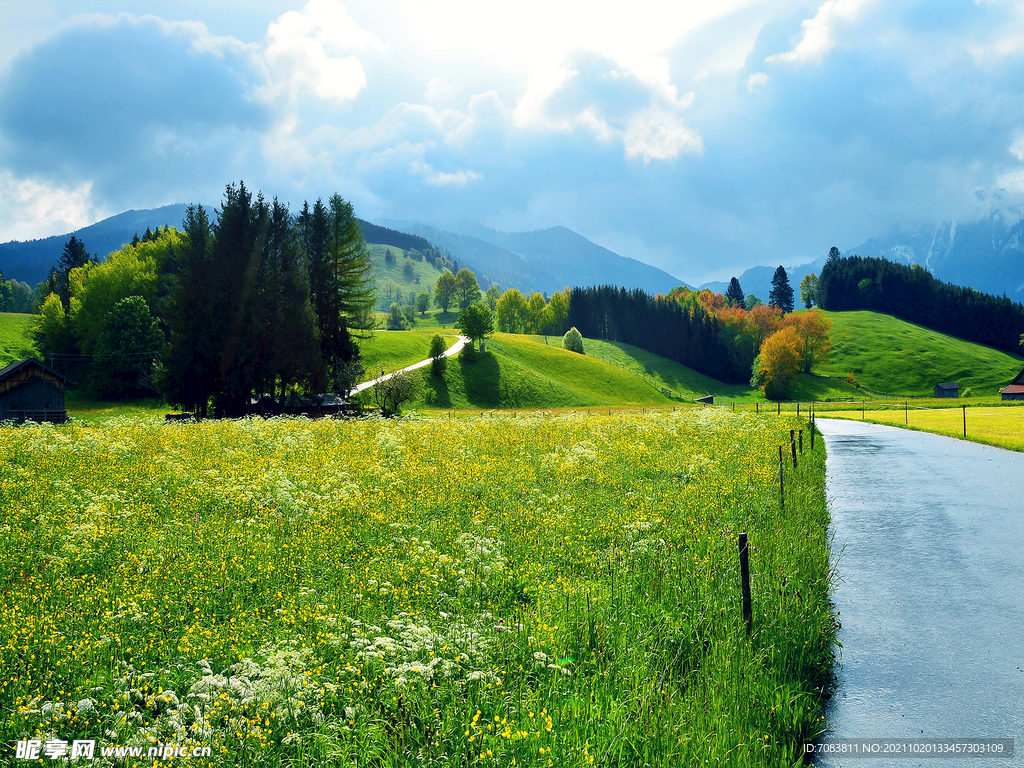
column 781, row 295
column 735, row 293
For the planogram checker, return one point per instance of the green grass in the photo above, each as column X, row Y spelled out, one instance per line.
column 15, row 337
column 424, row 271
column 531, row 590
column 519, row 372
column 100, row 411
column 398, row 349
column 889, row 355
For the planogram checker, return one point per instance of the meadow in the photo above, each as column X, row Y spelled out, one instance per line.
column 532, row 590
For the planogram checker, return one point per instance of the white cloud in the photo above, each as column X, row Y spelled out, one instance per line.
column 441, row 179
column 817, row 38
column 659, row 135
column 1017, row 148
column 300, row 48
column 34, row 209
column 440, row 90
column 757, row 81
column 1013, row 181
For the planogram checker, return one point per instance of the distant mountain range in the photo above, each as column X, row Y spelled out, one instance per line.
column 547, row 260
column 987, row 255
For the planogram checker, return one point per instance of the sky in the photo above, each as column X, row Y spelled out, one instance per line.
column 702, row 138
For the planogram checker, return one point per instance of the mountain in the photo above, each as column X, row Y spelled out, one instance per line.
column 30, row 261
column 546, row 260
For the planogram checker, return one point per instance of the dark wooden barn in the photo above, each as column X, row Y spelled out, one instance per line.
column 29, row 391
column 947, row 390
column 1015, row 389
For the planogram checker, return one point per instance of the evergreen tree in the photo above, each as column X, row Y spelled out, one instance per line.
column 735, row 293
column 73, row 256
column 833, row 254
column 126, row 350
column 781, row 295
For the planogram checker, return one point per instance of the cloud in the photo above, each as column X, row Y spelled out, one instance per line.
column 440, row 179
column 757, row 82
column 817, row 37
column 440, row 90
column 658, row 135
column 129, row 105
column 298, row 50
column 33, row 207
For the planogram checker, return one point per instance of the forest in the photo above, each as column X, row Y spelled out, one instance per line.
column 258, row 303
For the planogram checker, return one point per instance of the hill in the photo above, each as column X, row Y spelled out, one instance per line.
column 890, row 355
column 15, row 339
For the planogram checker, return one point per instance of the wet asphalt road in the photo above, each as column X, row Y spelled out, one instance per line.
column 929, row 549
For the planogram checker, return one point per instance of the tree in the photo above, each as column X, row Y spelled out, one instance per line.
column 73, row 256
column 781, row 295
column 408, row 270
column 809, row 290
column 347, row 375
column 394, row 388
column 814, row 330
column 573, row 341
column 423, row 303
column 437, row 356
column 396, row 321
column 778, row 363
column 467, row 291
column 833, row 255
column 492, row 295
column 534, row 307
column 389, row 257
column 559, row 306
column 476, row 322
column 751, row 301
column 445, row 291
column 735, row 293
column 512, row 312
column 126, row 349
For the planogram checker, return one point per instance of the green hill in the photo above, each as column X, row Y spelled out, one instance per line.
column 15, row 337
column 520, row 372
column 420, row 278
column 892, row 356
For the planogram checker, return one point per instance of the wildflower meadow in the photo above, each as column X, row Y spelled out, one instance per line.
column 527, row 590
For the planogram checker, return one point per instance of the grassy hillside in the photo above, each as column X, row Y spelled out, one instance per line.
column 422, row 271
column 15, row 338
column 890, row 355
column 517, row 372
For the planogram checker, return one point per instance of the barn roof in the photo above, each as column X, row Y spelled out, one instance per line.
column 30, row 362
column 1012, row 389
column 1018, row 379
column 948, row 385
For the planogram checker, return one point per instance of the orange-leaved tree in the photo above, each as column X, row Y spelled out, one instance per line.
column 814, row 330
column 778, row 363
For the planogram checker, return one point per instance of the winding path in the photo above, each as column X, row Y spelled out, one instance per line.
column 929, row 549
column 454, row 349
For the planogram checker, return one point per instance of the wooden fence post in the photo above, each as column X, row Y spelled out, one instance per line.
column 748, row 614
column 965, row 421
column 801, row 441
column 812, row 430
column 782, row 482
column 792, row 446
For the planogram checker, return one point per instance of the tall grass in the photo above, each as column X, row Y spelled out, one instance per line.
column 534, row 590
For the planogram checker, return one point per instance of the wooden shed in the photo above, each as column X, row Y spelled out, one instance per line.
column 29, row 391
column 947, row 390
column 1015, row 389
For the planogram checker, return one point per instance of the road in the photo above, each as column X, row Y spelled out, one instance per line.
column 929, row 536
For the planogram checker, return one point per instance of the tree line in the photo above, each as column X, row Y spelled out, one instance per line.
column 223, row 315
column 914, row 294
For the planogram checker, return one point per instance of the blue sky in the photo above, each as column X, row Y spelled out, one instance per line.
column 702, row 138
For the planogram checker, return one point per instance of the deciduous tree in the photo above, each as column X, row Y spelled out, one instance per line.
column 809, row 290
column 778, row 363
column 445, row 291
column 476, row 322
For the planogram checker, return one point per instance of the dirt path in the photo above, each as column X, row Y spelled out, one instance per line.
column 454, row 349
